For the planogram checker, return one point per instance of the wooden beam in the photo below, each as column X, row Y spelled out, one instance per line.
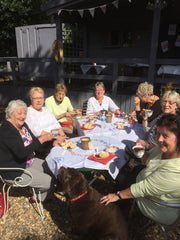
column 154, row 44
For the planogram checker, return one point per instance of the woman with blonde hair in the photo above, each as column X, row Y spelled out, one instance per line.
column 39, row 119
column 146, row 99
column 101, row 102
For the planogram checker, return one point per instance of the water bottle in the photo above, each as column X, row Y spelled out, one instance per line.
column 103, row 119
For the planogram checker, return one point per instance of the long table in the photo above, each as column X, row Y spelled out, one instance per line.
column 110, row 129
column 78, row 158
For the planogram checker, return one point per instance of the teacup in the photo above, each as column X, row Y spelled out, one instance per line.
column 148, row 112
column 55, row 132
column 139, row 151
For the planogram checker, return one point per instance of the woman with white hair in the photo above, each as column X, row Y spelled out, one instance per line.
column 170, row 103
column 18, row 146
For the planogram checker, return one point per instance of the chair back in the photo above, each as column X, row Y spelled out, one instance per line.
column 84, row 106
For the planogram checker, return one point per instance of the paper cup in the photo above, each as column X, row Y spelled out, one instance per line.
column 139, row 151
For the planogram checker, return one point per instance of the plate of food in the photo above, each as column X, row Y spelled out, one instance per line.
column 111, row 149
column 101, row 155
column 68, row 145
column 121, row 125
column 89, row 126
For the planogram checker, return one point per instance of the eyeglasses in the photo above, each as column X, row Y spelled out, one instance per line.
column 167, row 102
column 38, row 98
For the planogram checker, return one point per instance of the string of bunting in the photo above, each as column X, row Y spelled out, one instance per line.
column 91, row 10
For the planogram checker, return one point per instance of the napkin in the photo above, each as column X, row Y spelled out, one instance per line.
column 103, row 160
column 93, row 126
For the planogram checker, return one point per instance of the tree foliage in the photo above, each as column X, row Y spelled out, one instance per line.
column 15, row 13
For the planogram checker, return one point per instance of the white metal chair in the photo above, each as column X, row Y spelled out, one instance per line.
column 17, row 182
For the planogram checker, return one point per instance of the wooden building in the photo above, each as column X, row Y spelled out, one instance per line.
column 121, row 42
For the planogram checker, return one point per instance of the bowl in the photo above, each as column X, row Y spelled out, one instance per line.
column 139, row 151
column 66, row 124
column 148, row 112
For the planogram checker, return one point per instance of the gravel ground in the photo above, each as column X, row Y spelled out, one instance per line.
column 23, row 223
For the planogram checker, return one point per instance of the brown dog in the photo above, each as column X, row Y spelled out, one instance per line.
column 93, row 220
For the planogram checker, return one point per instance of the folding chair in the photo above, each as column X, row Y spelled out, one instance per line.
column 17, row 182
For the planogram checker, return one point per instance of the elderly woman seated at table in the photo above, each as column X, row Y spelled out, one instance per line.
column 101, row 102
column 39, row 119
column 170, row 102
column 60, row 105
column 146, row 99
column 18, row 146
column 160, row 180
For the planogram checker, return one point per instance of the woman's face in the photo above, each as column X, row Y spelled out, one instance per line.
column 168, row 106
column 37, row 100
column 166, row 140
column 145, row 98
column 99, row 92
column 59, row 96
column 18, row 117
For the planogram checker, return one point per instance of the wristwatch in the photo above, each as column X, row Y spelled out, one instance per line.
column 118, row 194
column 147, row 146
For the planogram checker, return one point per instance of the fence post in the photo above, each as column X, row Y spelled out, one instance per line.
column 115, row 81
column 13, row 67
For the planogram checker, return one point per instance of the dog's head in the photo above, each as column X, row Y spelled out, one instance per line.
column 72, row 181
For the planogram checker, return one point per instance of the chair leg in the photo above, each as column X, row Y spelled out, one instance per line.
column 6, row 199
column 38, row 204
column 164, row 232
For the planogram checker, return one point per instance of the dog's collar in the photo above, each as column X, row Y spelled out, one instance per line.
column 76, row 198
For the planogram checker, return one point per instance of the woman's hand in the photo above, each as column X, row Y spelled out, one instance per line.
column 69, row 114
column 143, row 113
column 141, row 142
column 118, row 112
column 46, row 137
column 111, row 197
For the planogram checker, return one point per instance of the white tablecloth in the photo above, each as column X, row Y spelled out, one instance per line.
column 133, row 131
column 78, row 158
column 168, row 69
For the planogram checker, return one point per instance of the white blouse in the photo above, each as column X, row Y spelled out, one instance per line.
column 107, row 104
column 41, row 121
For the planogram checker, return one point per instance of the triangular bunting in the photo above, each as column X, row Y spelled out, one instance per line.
column 81, row 12
column 103, row 8
column 92, row 11
column 115, row 3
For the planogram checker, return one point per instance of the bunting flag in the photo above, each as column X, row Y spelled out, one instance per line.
column 103, row 8
column 91, row 10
